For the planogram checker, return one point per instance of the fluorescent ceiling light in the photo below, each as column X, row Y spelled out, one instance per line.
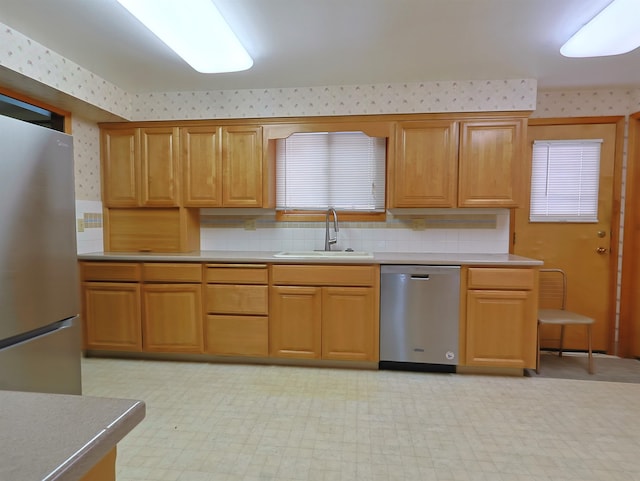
column 613, row 31
column 195, row 30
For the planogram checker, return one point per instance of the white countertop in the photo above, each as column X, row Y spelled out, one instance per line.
column 59, row 437
column 268, row 256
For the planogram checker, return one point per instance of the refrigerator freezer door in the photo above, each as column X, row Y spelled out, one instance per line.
column 46, row 363
column 38, row 255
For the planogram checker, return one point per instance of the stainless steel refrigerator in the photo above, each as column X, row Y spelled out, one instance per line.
column 40, row 342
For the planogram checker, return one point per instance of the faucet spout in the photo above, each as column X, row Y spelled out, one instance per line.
column 328, row 239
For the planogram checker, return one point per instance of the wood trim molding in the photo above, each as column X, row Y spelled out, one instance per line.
column 350, row 121
column 612, row 119
column 629, row 329
column 43, row 105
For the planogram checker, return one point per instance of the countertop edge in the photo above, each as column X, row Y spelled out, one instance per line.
column 92, row 452
column 268, row 257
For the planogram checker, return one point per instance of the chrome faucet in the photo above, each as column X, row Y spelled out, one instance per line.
column 328, row 240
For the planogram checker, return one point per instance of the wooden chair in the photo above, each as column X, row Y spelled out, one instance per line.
column 552, row 310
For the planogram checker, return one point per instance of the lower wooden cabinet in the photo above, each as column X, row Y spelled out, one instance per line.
column 348, row 321
column 237, row 307
column 500, row 324
column 111, row 313
column 296, row 311
column 338, row 321
column 131, row 306
column 172, row 319
column 111, row 307
column 295, row 329
column 238, row 335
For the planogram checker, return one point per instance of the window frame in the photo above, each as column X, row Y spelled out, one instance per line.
column 372, row 128
column 563, row 218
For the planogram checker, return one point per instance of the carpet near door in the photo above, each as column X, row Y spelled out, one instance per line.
column 574, row 366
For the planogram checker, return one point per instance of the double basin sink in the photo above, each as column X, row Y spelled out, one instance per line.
column 320, row 254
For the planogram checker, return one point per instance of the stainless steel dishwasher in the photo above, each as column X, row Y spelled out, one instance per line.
column 419, row 315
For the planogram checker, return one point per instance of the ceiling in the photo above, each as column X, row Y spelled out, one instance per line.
column 301, row 43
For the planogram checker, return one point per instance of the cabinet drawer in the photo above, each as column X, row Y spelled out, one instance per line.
column 501, row 278
column 238, row 335
column 171, row 272
column 237, row 299
column 237, row 273
column 110, row 271
column 306, row 275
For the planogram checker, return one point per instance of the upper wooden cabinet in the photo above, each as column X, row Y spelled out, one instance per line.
column 140, row 167
column 159, row 167
column 223, row 166
column 120, row 170
column 457, row 163
column 426, row 164
column 491, row 153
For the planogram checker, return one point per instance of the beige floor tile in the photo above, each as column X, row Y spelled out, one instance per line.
column 225, row 422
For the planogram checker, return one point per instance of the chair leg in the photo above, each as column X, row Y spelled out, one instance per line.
column 538, row 350
column 561, row 339
column 589, row 340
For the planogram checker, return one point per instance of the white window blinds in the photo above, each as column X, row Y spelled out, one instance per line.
column 343, row 170
column 565, row 178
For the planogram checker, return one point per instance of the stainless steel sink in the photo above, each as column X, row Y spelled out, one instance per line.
column 320, row 254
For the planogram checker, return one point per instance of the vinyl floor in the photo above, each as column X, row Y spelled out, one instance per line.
column 257, row 423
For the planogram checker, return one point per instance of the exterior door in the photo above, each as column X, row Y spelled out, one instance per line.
column 583, row 250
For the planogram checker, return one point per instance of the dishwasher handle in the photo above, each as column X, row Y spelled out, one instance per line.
column 420, row 277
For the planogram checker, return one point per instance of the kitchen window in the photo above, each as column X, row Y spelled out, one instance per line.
column 565, row 177
column 318, row 170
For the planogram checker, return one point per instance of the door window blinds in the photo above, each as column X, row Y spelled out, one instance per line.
column 343, row 170
column 565, row 178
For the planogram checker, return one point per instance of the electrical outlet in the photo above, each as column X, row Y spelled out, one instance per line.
column 80, row 225
column 418, row 224
column 250, row 224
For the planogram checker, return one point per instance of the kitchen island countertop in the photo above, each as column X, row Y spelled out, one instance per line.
column 60, row 437
column 268, row 256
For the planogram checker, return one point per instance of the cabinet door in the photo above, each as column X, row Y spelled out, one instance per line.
column 425, row 171
column 159, row 168
column 111, row 314
column 501, row 328
column 348, row 324
column 172, row 319
column 202, row 166
column 295, row 322
column 120, row 167
column 491, row 153
column 242, row 166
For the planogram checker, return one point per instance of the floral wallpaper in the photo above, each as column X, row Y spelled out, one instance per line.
column 86, row 151
column 32, row 59
column 586, row 103
column 452, row 96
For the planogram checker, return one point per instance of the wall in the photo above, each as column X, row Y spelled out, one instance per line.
column 397, row 234
column 71, row 84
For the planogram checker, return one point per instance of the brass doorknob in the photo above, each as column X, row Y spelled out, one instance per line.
column 601, row 250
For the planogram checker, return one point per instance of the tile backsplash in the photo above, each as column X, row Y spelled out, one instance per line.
column 89, row 226
column 428, row 230
column 485, row 232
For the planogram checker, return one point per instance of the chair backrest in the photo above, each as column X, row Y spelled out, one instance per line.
column 553, row 289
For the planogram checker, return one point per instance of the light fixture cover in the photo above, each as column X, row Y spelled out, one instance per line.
column 614, row 31
column 195, row 30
